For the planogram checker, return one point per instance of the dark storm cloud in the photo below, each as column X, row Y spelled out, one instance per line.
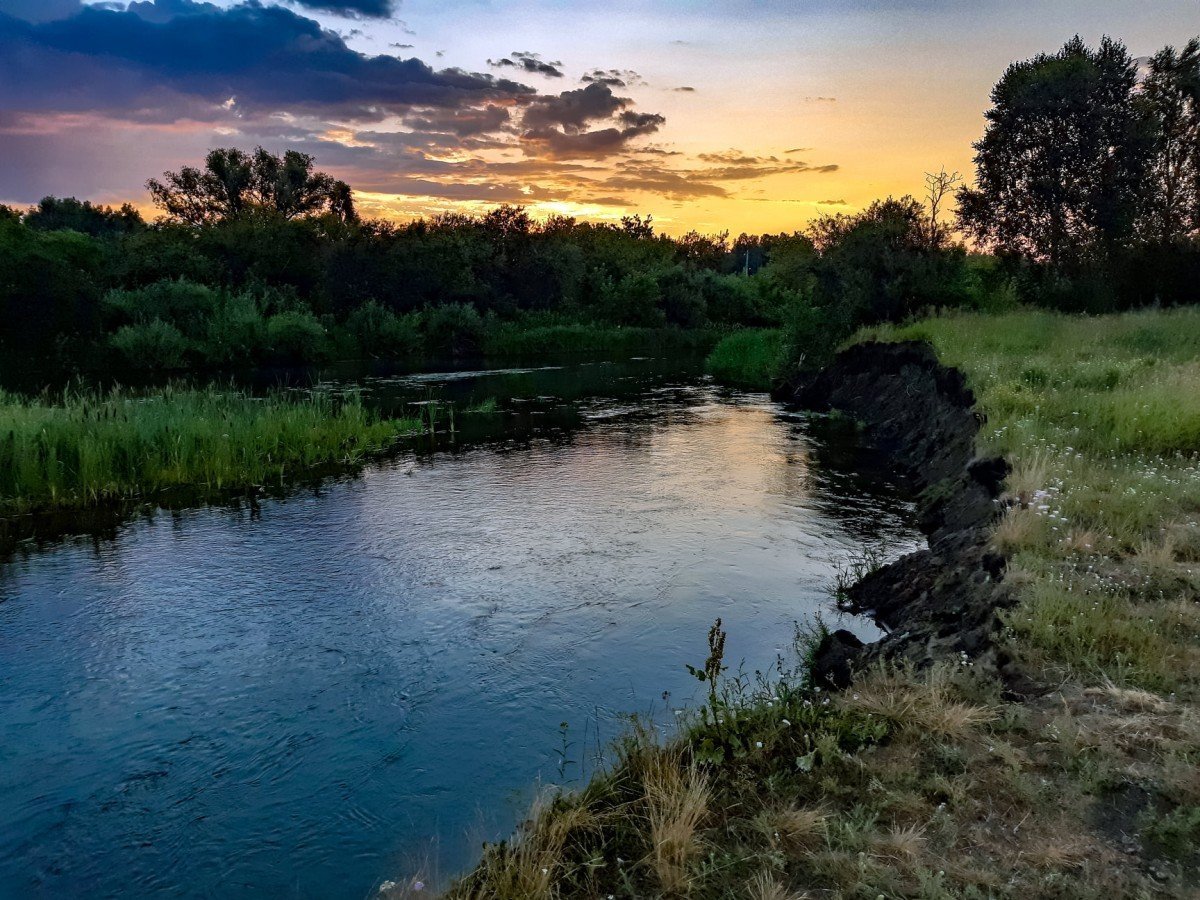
column 529, row 62
column 266, row 57
column 373, row 9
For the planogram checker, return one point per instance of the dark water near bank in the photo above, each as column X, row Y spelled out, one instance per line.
column 363, row 682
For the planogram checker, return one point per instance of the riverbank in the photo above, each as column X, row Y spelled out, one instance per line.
column 85, row 448
column 1057, row 760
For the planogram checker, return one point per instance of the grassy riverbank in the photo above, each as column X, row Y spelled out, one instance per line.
column 941, row 785
column 84, row 448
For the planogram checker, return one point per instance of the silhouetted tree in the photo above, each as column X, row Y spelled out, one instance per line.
column 1061, row 163
column 69, row 214
column 1170, row 97
column 233, row 183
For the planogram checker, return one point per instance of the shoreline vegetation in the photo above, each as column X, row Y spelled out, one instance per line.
column 82, row 448
column 944, row 783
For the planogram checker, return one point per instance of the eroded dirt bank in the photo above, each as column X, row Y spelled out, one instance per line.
column 942, row 602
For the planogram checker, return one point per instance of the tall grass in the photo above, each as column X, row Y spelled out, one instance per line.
column 751, row 358
column 81, row 447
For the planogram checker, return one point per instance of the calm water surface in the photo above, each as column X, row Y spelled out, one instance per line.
column 364, row 682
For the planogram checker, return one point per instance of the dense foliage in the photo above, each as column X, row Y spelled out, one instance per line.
column 260, row 259
column 1088, row 176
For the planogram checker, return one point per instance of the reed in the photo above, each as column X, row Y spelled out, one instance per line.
column 83, row 447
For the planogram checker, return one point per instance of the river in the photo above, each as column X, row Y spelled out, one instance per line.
column 366, row 679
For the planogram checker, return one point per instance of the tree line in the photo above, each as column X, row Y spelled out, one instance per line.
column 1086, row 196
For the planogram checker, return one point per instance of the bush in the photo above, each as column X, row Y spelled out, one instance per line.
column 453, row 329
column 296, row 337
column 634, row 300
column 237, row 333
column 380, row 332
column 751, row 358
column 184, row 304
column 153, row 345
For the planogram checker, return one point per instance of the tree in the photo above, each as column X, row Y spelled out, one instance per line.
column 69, row 214
column 234, row 183
column 937, row 186
column 1060, row 165
column 1170, row 97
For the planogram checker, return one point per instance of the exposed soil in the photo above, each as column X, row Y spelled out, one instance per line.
column 942, row 602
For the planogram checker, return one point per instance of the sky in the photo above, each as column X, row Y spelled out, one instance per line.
column 739, row 115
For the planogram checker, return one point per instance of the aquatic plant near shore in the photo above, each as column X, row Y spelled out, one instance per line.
column 751, row 358
column 82, row 448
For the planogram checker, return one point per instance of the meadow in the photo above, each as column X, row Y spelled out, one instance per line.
column 942, row 784
column 85, row 447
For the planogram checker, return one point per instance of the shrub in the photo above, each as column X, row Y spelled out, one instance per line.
column 184, row 304
column 750, row 358
column 634, row 300
column 153, row 345
column 380, row 332
column 237, row 333
column 296, row 337
column 455, row 329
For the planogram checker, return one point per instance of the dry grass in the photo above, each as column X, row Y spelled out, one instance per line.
column 530, row 865
column 917, row 705
column 792, row 828
column 677, row 802
column 765, row 886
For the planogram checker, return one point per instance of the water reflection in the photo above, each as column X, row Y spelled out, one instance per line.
column 302, row 703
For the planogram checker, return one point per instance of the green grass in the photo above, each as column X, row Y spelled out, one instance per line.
column 752, row 358
column 83, row 448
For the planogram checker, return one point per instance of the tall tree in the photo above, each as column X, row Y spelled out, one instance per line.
column 233, row 183
column 1060, row 165
column 1170, row 97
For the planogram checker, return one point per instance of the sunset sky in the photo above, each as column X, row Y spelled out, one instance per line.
column 736, row 115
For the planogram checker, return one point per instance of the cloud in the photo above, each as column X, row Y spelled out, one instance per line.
column 734, row 165
column 371, row 9
column 40, row 10
column 685, row 89
column 573, row 110
column 599, row 142
column 529, row 62
column 613, row 77
column 668, row 183
column 461, row 122
column 266, row 57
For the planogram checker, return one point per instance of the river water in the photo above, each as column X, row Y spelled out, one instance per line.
column 365, row 680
